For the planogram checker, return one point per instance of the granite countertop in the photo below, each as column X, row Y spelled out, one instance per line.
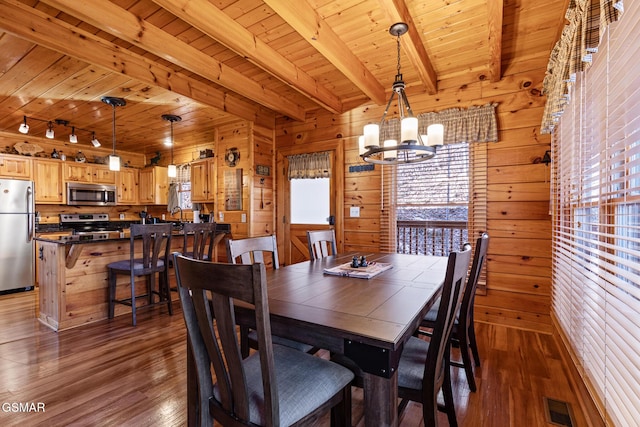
column 111, row 236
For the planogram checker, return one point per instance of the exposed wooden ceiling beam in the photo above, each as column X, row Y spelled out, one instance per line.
column 129, row 27
column 397, row 11
column 495, row 14
column 306, row 21
column 204, row 16
column 37, row 27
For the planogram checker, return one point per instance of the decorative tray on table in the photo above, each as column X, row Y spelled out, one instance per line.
column 347, row 270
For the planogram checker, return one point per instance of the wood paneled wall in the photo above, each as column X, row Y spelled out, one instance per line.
column 519, row 258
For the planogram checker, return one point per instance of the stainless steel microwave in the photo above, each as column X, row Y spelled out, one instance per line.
column 91, row 194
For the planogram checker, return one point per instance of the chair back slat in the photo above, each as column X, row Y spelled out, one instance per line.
column 321, row 243
column 202, row 236
column 450, row 300
column 156, row 240
column 215, row 343
column 466, row 307
column 251, row 250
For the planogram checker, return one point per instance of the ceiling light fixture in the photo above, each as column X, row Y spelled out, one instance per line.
column 49, row 134
column 94, row 140
column 380, row 147
column 73, row 138
column 24, row 127
column 171, row 169
column 114, row 160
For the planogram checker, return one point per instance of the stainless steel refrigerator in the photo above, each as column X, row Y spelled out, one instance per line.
column 17, row 226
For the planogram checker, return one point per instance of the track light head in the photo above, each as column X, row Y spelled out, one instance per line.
column 24, row 127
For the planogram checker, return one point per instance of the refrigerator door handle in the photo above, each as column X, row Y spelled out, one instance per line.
column 30, row 214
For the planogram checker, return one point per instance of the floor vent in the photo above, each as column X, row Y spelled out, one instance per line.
column 558, row 412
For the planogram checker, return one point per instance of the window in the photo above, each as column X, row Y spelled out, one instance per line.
column 596, row 223
column 183, row 180
column 310, row 186
column 432, row 205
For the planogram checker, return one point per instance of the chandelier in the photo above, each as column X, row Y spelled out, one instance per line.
column 376, row 145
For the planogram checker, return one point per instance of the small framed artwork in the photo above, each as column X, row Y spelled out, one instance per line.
column 263, row 170
column 233, row 190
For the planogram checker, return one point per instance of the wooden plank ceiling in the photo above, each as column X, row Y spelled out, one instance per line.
column 214, row 61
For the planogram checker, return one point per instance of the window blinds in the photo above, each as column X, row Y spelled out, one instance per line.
column 596, row 228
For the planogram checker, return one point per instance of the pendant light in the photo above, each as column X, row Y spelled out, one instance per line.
column 171, row 169
column 114, row 160
column 412, row 147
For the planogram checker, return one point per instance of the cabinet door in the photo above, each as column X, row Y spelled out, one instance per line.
column 154, row 186
column 77, row 172
column 199, row 181
column 127, row 182
column 161, row 185
column 47, row 177
column 15, row 167
column 102, row 175
column 145, row 192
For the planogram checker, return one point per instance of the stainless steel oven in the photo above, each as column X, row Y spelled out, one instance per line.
column 91, row 194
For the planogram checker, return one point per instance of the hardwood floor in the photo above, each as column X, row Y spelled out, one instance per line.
column 109, row 374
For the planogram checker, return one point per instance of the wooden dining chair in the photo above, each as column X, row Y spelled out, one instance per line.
column 274, row 386
column 249, row 251
column 424, row 365
column 153, row 259
column 321, row 243
column 464, row 334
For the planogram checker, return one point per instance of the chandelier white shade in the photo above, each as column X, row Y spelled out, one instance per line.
column 377, row 146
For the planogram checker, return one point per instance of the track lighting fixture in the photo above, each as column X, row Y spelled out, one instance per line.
column 50, row 133
column 114, row 159
column 94, row 140
column 171, row 169
column 24, row 127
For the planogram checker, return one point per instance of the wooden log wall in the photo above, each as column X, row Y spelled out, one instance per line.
column 519, row 256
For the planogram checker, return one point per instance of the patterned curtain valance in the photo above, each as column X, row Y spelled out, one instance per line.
column 183, row 173
column 474, row 124
column 309, row 166
column 587, row 21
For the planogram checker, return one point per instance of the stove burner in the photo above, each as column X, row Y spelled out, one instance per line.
column 84, row 224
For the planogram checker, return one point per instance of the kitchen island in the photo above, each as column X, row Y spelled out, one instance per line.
column 72, row 275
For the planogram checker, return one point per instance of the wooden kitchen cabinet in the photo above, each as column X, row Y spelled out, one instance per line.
column 127, row 186
column 76, row 172
column 12, row 166
column 84, row 172
column 203, row 181
column 154, row 186
column 102, row 175
column 48, row 183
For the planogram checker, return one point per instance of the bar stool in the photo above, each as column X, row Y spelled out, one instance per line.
column 202, row 236
column 156, row 243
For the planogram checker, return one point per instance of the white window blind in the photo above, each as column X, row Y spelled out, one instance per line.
column 596, row 229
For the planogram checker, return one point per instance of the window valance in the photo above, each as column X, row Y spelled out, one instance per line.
column 473, row 124
column 587, row 22
column 309, row 166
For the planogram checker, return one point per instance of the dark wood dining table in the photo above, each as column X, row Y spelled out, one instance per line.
column 363, row 321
